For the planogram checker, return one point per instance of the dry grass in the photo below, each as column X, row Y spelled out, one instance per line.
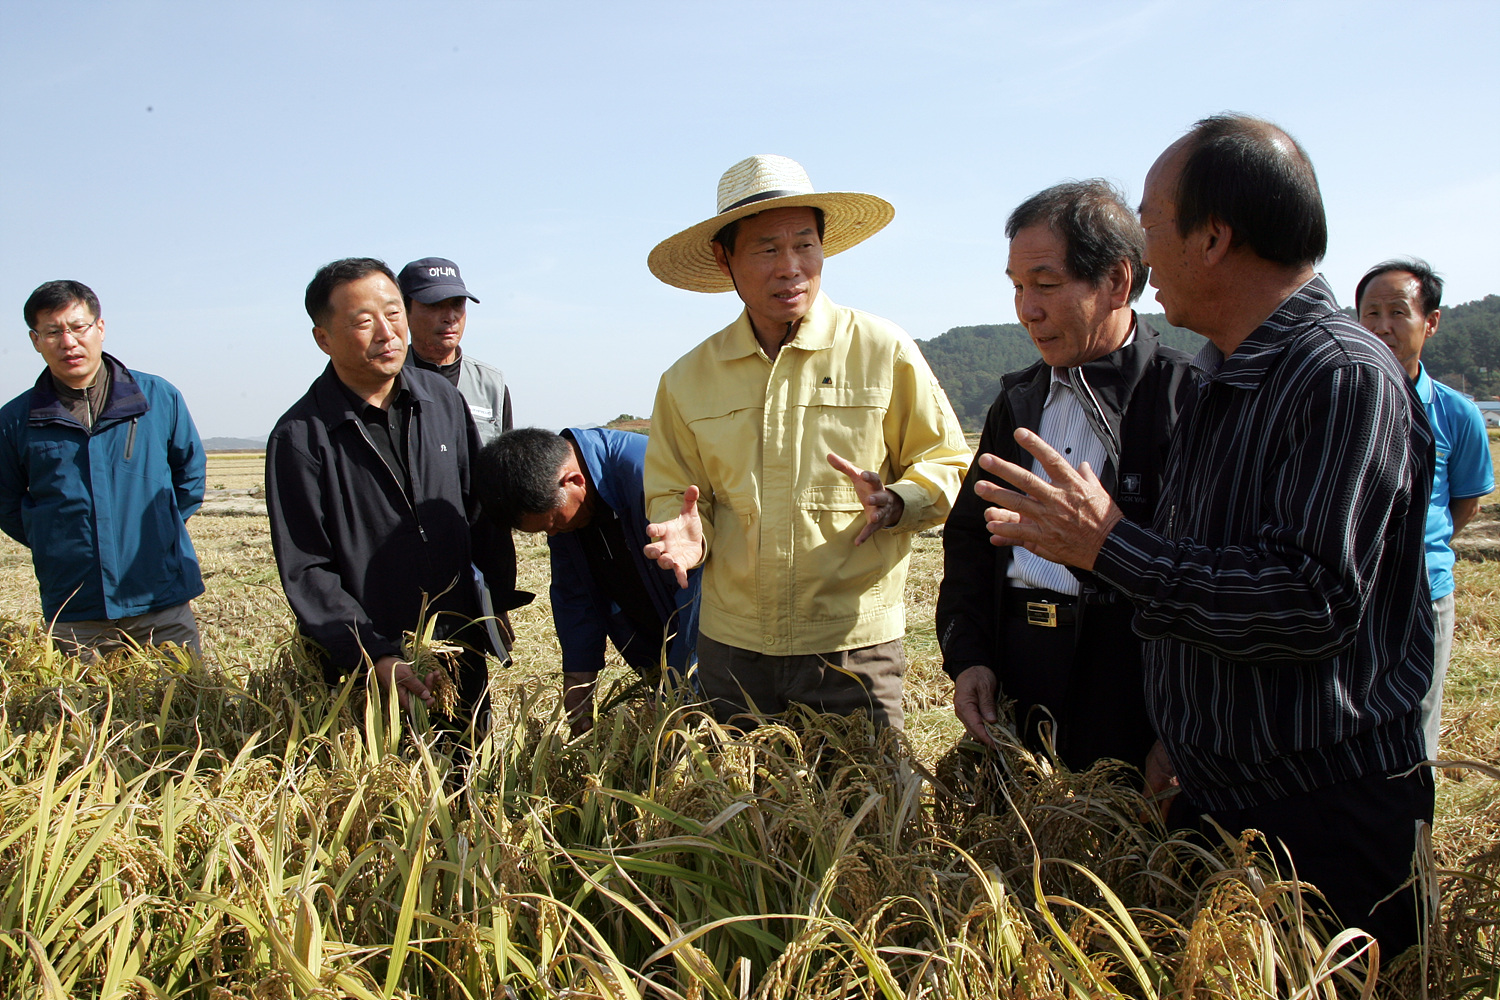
column 230, row 830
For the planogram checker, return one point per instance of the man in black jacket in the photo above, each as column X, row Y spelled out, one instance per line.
column 367, row 480
column 1106, row 393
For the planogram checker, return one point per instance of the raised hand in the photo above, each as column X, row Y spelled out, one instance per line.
column 1066, row 520
column 679, row 542
column 882, row 507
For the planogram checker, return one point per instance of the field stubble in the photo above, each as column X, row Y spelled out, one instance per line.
column 231, row 830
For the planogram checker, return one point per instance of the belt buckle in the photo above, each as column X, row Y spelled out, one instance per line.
column 1041, row 613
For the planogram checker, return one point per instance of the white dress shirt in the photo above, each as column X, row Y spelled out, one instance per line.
column 1066, row 428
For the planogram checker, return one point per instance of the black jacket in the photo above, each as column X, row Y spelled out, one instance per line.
column 1141, row 389
column 355, row 552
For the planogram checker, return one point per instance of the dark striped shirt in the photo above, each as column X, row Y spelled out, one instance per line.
column 1283, row 585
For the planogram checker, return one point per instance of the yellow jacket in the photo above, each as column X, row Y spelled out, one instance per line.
column 782, row 574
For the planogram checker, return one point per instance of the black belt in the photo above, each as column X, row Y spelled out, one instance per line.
column 1046, row 608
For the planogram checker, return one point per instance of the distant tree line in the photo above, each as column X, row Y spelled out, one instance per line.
column 1465, row 352
column 969, row 361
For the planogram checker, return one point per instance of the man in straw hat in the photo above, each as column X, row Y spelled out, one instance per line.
column 793, row 453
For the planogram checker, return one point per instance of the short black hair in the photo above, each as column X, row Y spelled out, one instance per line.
column 1428, row 281
column 516, row 474
column 54, row 295
column 1257, row 180
column 334, row 274
column 725, row 237
column 1096, row 224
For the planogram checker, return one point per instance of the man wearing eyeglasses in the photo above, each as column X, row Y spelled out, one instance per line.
column 100, row 468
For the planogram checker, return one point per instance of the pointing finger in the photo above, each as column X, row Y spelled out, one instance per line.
column 1022, row 478
column 1057, row 467
column 1009, row 499
column 845, row 466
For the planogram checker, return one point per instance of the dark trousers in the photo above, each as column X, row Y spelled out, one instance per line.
column 736, row 680
column 1082, row 678
column 1354, row 841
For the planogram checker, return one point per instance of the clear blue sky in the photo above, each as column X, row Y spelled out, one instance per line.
column 196, row 162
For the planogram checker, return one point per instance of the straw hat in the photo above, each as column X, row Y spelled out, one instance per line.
column 760, row 184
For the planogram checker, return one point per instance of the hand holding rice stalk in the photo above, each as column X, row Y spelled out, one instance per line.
column 425, row 671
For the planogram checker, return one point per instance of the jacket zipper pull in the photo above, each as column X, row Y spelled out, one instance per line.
column 422, row 532
column 130, row 439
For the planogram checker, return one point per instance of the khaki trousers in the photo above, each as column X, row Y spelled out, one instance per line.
column 840, row 683
column 89, row 640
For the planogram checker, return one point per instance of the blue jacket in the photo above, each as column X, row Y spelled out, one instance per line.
column 104, row 512
column 582, row 614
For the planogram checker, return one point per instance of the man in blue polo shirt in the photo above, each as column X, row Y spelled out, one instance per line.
column 583, row 488
column 1398, row 302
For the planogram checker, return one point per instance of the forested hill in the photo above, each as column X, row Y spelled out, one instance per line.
column 970, row 360
column 1465, row 352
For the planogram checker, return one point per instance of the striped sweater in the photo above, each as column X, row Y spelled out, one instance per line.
column 1282, row 586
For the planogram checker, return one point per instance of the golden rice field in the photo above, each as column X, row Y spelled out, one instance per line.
column 233, row 830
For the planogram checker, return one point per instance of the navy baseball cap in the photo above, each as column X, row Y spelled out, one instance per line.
column 432, row 279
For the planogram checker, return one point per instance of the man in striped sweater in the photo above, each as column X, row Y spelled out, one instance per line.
column 1281, row 586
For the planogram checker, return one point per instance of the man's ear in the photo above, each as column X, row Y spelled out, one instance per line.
column 320, row 336
column 721, row 258
column 1215, row 239
column 1431, row 322
column 1119, row 285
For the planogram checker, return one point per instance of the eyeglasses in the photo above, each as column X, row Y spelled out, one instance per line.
column 77, row 330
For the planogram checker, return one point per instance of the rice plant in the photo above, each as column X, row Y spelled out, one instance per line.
column 234, row 829
column 170, row 830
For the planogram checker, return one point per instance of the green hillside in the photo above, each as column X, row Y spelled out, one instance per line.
column 1465, row 352
column 970, row 360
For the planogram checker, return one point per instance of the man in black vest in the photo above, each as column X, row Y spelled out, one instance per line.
column 1105, row 393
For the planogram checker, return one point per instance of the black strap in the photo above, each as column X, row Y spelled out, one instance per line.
column 763, row 196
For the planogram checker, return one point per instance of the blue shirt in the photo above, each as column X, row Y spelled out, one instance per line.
column 582, row 609
column 1463, row 471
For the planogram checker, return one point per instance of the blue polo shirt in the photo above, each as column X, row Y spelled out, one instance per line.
column 1463, row 471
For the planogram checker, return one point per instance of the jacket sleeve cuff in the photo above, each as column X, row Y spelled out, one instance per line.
column 917, row 506
column 1125, row 558
column 954, row 667
column 346, row 658
column 962, row 646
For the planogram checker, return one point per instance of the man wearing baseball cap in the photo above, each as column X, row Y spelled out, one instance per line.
column 793, row 453
column 436, row 311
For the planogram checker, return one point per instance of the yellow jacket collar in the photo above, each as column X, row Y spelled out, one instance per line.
column 816, row 332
